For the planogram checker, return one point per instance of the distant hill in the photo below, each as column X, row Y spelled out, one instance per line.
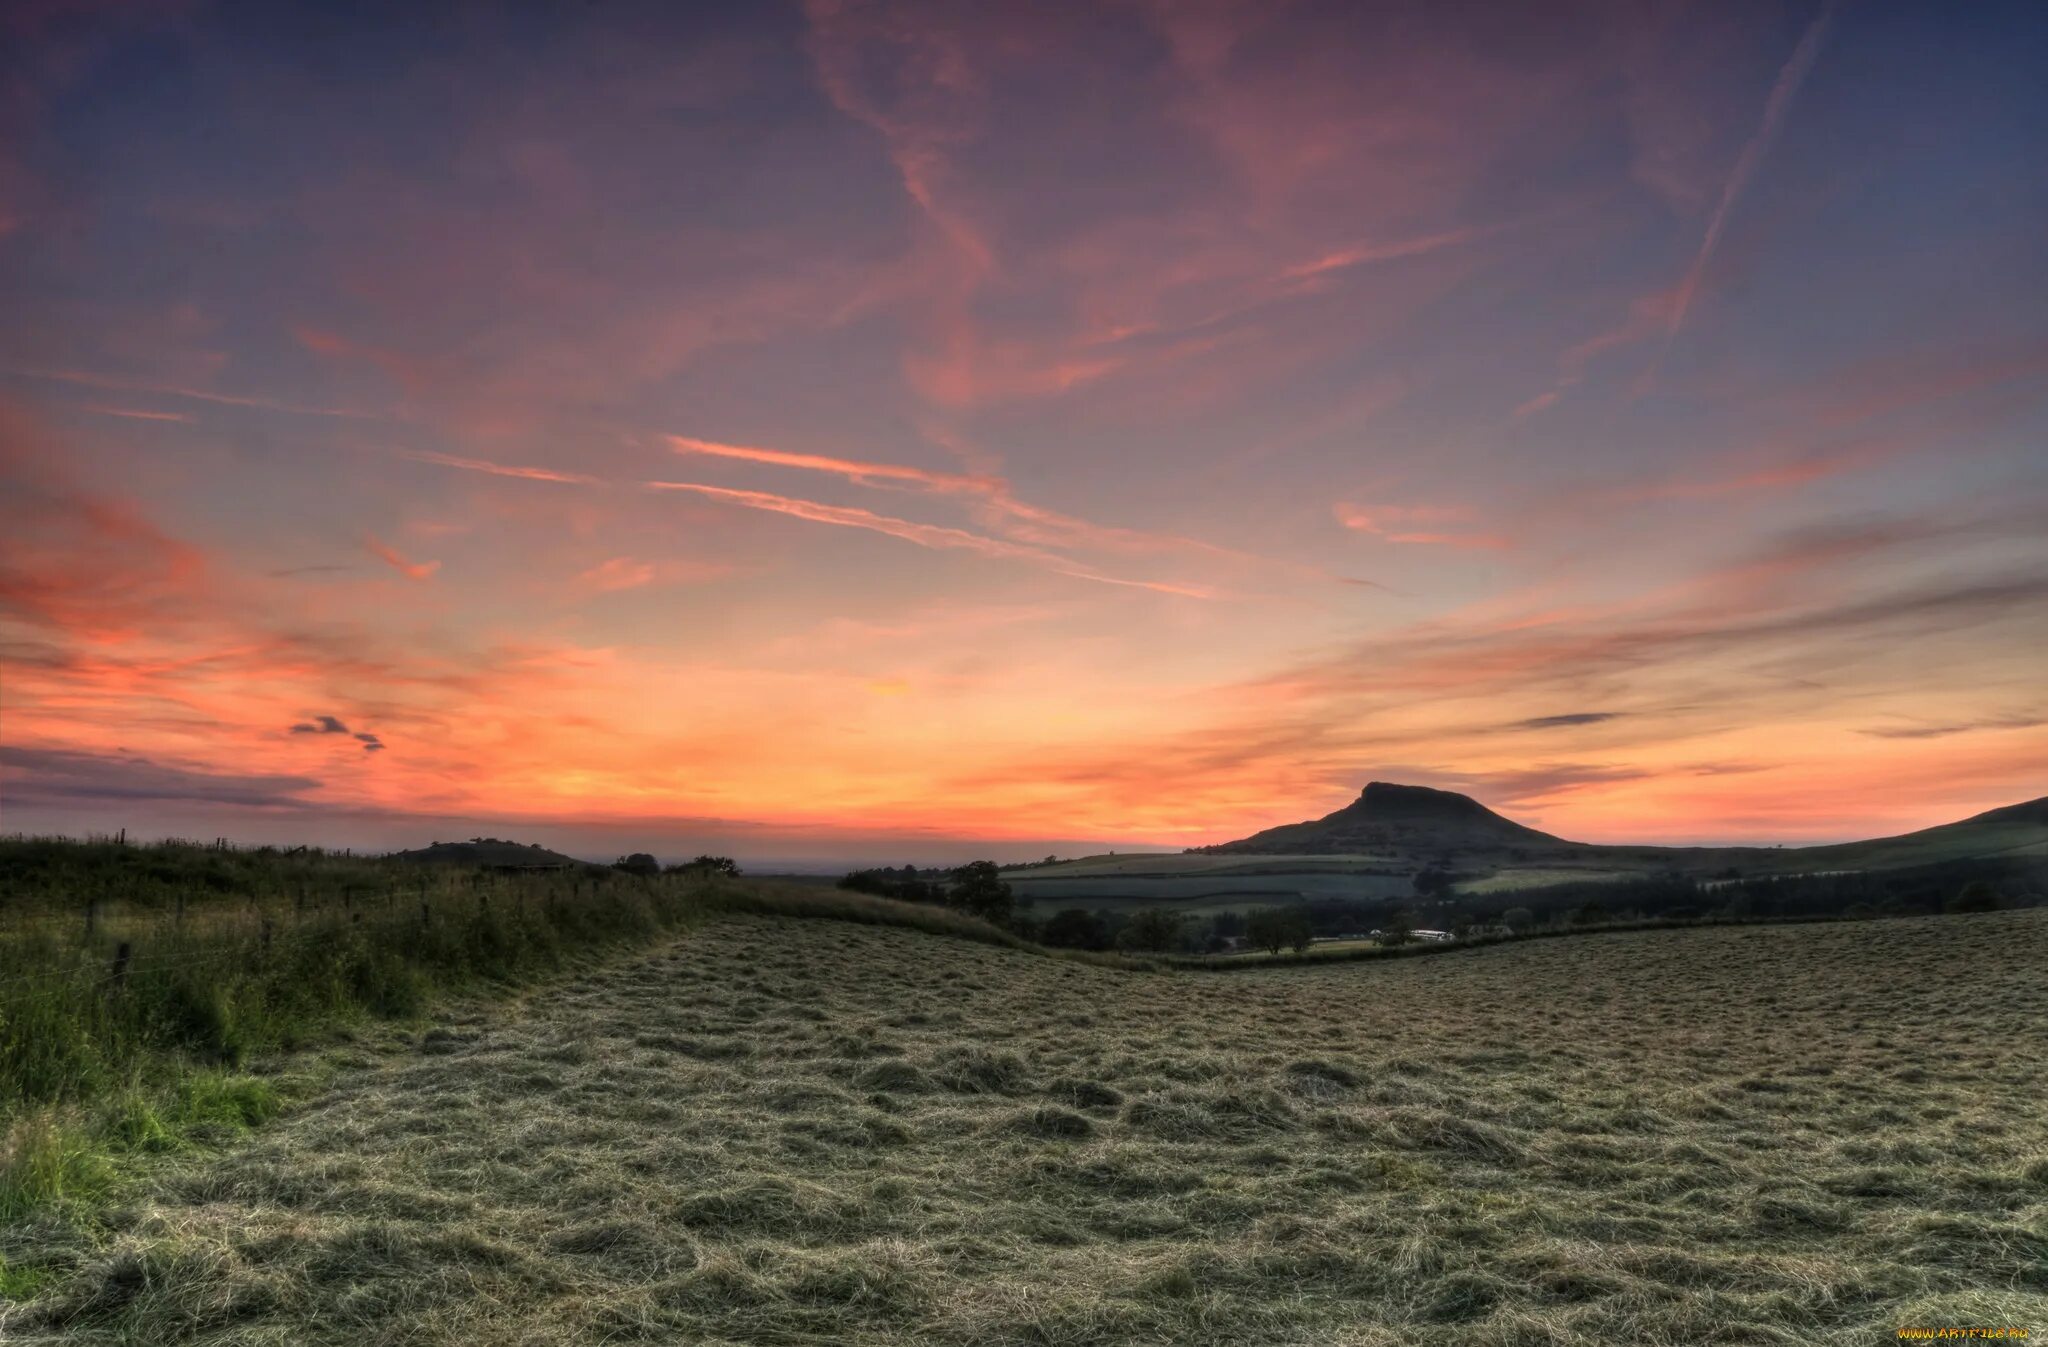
column 485, row 851
column 1393, row 820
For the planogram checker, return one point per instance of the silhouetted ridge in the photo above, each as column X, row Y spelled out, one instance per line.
column 1386, row 799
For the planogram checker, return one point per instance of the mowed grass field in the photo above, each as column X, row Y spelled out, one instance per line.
column 805, row 1131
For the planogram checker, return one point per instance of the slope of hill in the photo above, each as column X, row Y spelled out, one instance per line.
column 2015, row 829
column 486, row 851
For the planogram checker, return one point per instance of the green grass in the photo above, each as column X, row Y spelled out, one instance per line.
column 133, row 1033
column 853, row 1131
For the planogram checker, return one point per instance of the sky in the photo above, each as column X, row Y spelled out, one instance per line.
column 871, row 431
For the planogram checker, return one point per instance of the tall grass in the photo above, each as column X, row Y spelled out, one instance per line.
column 136, row 982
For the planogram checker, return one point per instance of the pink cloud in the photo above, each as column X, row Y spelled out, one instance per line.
column 1391, row 523
column 411, row 570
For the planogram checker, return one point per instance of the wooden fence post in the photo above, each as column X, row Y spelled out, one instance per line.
column 120, row 973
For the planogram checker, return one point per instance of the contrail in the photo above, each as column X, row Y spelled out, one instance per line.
column 1787, row 87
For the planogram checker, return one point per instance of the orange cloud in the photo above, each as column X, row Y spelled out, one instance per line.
column 852, row 469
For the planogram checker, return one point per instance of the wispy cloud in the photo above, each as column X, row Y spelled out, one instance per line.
column 855, row 470
column 1359, row 254
column 936, row 536
column 1409, row 524
column 1567, row 720
column 411, row 570
column 66, row 777
column 118, row 383
column 531, row 474
column 136, row 414
column 2016, row 722
column 617, row 573
column 1790, row 76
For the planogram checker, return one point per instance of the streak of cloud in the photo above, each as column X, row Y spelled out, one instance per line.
column 1568, row 720
column 134, row 414
column 500, row 469
column 1396, row 524
column 854, row 470
column 1790, row 76
column 116, row 383
column 411, row 570
column 1962, row 727
column 936, row 536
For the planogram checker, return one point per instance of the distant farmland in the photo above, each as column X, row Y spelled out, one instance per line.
column 1208, row 880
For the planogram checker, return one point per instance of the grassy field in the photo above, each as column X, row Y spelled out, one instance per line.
column 803, row 1131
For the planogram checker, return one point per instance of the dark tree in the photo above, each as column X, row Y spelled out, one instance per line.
column 705, row 866
column 639, row 863
column 1399, row 928
column 1433, row 883
column 979, row 889
column 1275, row 928
column 1150, row 928
column 1075, row 928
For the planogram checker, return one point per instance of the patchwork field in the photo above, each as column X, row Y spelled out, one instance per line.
column 808, row 1131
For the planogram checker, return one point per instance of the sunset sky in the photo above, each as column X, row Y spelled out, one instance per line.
column 910, row 432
